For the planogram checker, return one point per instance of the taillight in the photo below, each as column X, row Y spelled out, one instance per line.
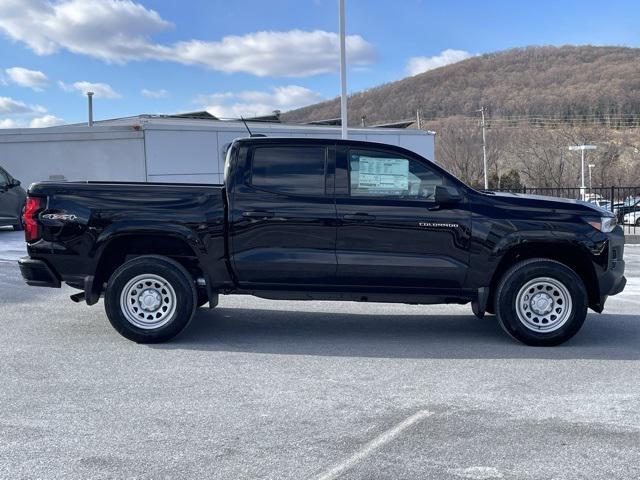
column 31, row 226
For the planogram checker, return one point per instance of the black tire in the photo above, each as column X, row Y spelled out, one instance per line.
column 521, row 326
column 182, row 300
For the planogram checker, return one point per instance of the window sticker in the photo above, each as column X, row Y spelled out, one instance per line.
column 383, row 173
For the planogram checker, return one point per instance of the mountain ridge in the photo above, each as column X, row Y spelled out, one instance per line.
column 562, row 82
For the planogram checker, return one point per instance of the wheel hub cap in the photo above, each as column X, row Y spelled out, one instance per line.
column 541, row 303
column 150, row 300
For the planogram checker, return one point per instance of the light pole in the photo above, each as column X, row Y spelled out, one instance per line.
column 484, row 151
column 582, row 148
column 591, row 165
column 343, row 74
column 90, row 102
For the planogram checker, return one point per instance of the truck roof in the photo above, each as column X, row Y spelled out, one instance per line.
column 259, row 140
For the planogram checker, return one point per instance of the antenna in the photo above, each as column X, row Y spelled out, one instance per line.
column 248, row 130
column 246, row 126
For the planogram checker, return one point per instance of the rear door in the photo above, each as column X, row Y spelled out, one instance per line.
column 391, row 232
column 283, row 215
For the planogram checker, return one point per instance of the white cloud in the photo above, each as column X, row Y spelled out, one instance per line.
column 9, row 106
column 37, row 122
column 101, row 90
column 111, row 30
column 253, row 102
column 295, row 53
column 24, row 77
column 121, row 30
column 45, row 121
column 162, row 93
column 8, row 123
column 25, row 115
column 417, row 65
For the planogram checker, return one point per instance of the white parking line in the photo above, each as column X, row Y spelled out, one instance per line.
column 373, row 445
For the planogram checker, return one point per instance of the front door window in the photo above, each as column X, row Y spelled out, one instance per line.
column 382, row 175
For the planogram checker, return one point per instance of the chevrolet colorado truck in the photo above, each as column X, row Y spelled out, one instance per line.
column 317, row 219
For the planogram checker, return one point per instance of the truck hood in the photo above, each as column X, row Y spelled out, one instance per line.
column 556, row 203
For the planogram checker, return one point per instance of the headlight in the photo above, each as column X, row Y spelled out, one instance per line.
column 604, row 224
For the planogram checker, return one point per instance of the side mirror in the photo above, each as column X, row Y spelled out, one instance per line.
column 15, row 183
column 447, row 195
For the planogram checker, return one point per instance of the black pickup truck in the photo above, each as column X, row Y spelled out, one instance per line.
column 320, row 219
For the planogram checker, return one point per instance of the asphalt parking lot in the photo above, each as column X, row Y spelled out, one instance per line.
column 313, row 390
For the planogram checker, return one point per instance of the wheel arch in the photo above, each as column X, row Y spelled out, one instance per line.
column 570, row 255
column 120, row 248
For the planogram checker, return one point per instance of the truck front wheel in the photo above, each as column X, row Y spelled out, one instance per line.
column 150, row 299
column 541, row 302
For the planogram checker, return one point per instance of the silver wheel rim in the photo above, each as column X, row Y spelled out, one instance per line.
column 543, row 304
column 148, row 301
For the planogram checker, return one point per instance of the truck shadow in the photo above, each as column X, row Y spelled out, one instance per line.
column 606, row 337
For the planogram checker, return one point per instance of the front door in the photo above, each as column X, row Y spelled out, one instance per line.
column 7, row 201
column 391, row 231
column 283, row 215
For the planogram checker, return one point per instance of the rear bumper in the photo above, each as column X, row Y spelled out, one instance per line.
column 38, row 273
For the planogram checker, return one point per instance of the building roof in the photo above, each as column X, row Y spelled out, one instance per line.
column 401, row 124
column 328, row 121
column 201, row 115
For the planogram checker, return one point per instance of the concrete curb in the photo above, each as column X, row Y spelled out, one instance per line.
column 632, row 239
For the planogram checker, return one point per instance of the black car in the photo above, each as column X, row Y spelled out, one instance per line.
column 318, row 219
column 12, row 199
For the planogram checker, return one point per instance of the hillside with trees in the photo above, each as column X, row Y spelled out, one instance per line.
column 539, row 100
column 562, row 82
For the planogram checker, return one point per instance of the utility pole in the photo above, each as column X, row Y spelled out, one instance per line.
column 484, row 150
column 419, row 119
column 582, row 148
column 90, row 101
column 591, row 165
column 343, row 74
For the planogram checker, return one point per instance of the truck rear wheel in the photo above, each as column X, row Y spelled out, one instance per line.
column 541, row 302
column 150, row 299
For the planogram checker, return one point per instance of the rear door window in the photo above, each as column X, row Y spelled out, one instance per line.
column 289, row 170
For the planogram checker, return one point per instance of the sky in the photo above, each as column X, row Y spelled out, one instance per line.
column 250, row 57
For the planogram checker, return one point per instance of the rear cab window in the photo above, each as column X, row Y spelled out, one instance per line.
column 295, row 170
column 378, row 174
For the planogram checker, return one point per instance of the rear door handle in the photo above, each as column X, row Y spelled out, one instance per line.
column 359, row 217
column 257, row 214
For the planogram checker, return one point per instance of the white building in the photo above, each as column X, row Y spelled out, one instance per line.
column 159, row 148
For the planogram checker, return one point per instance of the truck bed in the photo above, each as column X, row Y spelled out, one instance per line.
column 86, row 219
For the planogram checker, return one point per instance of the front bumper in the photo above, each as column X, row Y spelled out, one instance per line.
column 611, row 280
column 38, row 273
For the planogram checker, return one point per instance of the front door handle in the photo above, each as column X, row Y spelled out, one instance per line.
column 257, row 214
column 359, row 217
